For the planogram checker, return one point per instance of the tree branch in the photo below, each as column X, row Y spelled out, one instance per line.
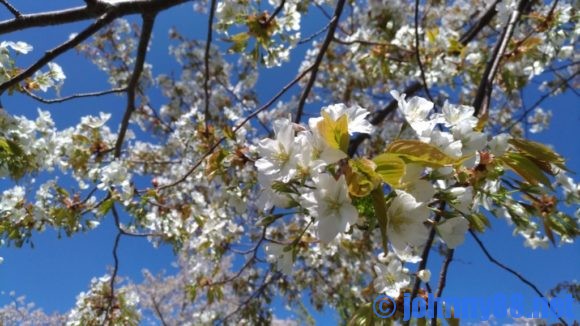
column 417, row 54
column 59, row 17
column 483, row 96
column 442, row 281
column 55, row 52
column 74, row 96
column 511, row 271
column 146, row 30
column 482, row 21
column 319, row 57
column 206, row 63
column 11, row 8
column 276, row 12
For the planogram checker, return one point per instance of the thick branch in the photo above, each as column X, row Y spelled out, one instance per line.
column 418, row 54
column 481, row 22
column 483, row 96
column 319, row 57
column 206, row 62
column 146, row 30
column 58, row 17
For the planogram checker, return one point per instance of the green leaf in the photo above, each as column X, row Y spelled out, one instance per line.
column 416, row 151
column 380, row 206
column 335, row 133
column 391, row 168
column 361, row 177
column 478, row 222
column 524, row 167
column 240, row 42
column 106, row 207
column 538, row 151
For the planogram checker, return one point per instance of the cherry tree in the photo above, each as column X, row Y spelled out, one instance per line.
column 403, row 129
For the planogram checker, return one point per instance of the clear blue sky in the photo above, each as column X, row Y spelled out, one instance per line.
column 55, row 271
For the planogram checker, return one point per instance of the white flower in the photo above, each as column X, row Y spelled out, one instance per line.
column 19, row 46
column 356, row 117
column 424, row 275
column 453, row 231
column 405, row 223
column 56, row 71
column 391, row 278
column 308, row 163
column 114, row 174
column 463, row 201
column 471, row 140
column 332, row 205
column 422, row 190
column 416, row 112
column 278, row 155
column 275, row 254
column 498, row 145
column 94, row 122
column 321, row 150
column 454, row 115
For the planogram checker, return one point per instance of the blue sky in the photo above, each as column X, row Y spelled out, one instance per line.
column 55, row 271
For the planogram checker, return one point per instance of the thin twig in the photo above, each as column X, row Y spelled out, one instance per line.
column 513, row 272
column 74, row 96
column 206, row 63
column 329, row 36
column 146, row 30
column 113, row 276
column 418, row 55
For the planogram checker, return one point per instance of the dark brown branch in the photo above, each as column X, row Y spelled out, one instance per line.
column 55, row 52
column 206, row 63
column 483, row 96
column 276, row 12
column 444, row 269
column 319, row 57
column 113, row 277
column 11, row 8
column 511, row 271
column 58, row 17
column 238, row 127
column 425, row 253
column 418, row 54
column 482, row 21
column 146, row 30
column 74, row 96
column 442, row 280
